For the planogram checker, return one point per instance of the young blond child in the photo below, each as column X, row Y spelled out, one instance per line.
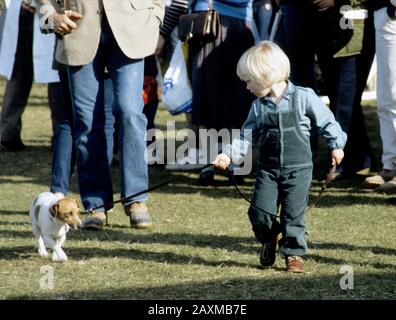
column 281, row 120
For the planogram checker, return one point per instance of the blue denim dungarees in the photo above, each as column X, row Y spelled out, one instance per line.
column 283, row 178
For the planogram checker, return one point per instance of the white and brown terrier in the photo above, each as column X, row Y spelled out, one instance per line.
column 52, row 215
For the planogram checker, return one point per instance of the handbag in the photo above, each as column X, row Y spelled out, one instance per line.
column 202, row 27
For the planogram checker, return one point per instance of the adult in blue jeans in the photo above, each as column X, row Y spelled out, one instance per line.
column 112, row 35
column 64, row 154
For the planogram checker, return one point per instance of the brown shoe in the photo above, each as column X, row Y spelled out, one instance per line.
column 379, row 179
column 294, row 264
column 94, row 221
column 138, row 215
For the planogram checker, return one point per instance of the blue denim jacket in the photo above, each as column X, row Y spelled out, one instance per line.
column 314, row 116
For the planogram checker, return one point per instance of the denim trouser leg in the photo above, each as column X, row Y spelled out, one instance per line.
column 294, row 192
column 290, row 187
column 110, row 120
column 341, row 82
column 64, row 155
column 87, row 91
column 63, row 158
column 265, row 196
column 127, row 78
column 340, row 78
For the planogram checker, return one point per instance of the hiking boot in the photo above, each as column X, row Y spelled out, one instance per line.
column 94, row 221
column 268, row 252
column 138, row 215
column 294, row 264
column 388, row 187
column 379, row 179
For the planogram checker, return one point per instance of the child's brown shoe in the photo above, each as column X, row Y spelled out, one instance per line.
column 294, row 264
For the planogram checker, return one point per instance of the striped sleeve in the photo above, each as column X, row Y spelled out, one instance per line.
column 172, row 15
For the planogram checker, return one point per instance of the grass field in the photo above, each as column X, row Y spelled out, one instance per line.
column 201, row 245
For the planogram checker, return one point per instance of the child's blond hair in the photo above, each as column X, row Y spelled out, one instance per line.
column 264, row 63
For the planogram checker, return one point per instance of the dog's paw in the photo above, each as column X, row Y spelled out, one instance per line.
column 43, row 252
column 60, row 256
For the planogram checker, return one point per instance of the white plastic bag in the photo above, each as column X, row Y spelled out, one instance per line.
column 176, row 88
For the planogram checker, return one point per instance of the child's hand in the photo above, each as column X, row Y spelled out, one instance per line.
column 336, row 156
column 222, row 161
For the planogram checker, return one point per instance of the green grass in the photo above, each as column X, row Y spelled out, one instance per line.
column 201, row 245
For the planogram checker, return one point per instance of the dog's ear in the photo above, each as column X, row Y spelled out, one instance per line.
column 54, row 210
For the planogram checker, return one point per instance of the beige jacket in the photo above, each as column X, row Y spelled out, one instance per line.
column 135, row 25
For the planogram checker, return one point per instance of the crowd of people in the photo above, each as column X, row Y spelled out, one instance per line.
column 98, row 56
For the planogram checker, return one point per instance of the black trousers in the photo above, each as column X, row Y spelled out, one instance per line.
column 18, row 88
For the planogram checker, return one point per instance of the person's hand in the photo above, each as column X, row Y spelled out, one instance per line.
column 323, row 5
column 160, row 45
column 336, row 156
column 64, row 23
column 222, row 161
